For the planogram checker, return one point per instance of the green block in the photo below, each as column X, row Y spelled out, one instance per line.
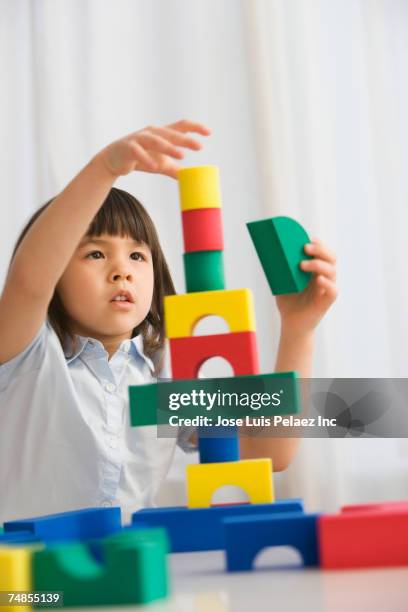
column 129, row 536
column 154, row 546
column 150, row 403
column 1, row 529
column 280, row 242
column 133, row 570
column 204, row 271
column 143, row 400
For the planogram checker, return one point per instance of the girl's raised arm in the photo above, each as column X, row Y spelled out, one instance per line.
column 49, row 244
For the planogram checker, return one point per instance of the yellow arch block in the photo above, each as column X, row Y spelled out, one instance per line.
column 254, row 476
column 199, row 187
column 182, row 312
column 15, row 573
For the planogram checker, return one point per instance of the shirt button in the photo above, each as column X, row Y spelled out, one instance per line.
column 106, row 503
column 110, row 387
column 126, row 346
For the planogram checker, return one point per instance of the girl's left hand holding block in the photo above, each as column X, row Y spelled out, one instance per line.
column 301, row 312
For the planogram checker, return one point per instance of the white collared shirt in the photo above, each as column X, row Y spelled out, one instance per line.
column 65, row 436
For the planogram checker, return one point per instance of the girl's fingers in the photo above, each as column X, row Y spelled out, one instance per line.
column 172, row 171
column 318, row 266
column 327, row 288
column 185, row 125
column 177, row 138
column 142, row 156
column 159, row 145
column 317, row 249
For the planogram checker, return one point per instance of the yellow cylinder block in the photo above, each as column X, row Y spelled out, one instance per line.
column 199, row 187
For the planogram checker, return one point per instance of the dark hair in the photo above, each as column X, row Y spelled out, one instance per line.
column 122, row 214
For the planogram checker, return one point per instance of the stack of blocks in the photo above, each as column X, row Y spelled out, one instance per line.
column 200, row 201
column 207, row 528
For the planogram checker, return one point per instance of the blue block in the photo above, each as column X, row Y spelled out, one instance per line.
column 246, row 536
column 75, row 525
column 197, row 529
column 215, row 449
column 218, row 450
column 18, row 537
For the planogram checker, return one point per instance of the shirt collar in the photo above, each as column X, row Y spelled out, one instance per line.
column 86, row 344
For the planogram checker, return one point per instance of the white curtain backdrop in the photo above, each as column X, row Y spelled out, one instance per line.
column 330, row 92
column 307, row 100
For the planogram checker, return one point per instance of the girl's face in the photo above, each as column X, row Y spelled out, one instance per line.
column 101, row 268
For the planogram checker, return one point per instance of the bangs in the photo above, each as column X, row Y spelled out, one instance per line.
column 122, row 215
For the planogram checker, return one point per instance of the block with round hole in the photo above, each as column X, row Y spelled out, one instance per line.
column 182, row 312
column 254, row 476
column 239, row 349
column 246, row 536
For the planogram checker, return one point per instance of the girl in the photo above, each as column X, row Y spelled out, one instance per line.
column 81, row 319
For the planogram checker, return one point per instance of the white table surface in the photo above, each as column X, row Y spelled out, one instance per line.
column 200, row 584
column 281, row 583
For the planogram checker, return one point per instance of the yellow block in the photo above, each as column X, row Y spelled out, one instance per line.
column 15, row 572
column 199, row 187
column 182, row 312
column 254, row 476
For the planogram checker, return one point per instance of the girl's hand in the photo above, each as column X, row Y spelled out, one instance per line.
column 153, row 149
column 301, row 312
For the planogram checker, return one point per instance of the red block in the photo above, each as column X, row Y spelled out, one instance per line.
column 202, row 230
column 378, row 507
column 239, row 349
column 363, row 539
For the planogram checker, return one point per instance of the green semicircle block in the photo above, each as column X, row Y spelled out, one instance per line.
column 279, row 243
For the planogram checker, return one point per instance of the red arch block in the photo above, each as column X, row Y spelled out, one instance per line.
column 202, row 230
column 239, row 349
